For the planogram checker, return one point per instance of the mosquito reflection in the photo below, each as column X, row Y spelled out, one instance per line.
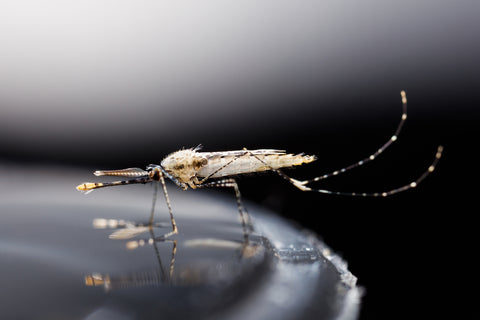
column 195, row 273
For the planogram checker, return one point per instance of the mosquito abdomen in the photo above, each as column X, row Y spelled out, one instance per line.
column 250, row 163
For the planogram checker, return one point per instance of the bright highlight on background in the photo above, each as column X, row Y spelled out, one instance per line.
column 82, row 60
column 92, row 73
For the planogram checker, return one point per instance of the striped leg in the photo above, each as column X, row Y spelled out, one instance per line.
column 302, row 185
column 165, row 278
column 157, row 175
column 167, row 200
column 231, row 183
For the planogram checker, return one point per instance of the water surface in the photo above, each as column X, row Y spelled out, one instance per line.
column 56, row 263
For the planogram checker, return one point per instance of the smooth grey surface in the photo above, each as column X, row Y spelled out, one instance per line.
column 48, row 248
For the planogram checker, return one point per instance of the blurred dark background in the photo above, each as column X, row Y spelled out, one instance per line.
column 104, row 85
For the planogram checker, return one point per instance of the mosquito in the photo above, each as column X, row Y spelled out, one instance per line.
column 195, row 169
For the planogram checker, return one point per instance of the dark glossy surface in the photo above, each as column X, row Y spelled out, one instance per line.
column 55, row 265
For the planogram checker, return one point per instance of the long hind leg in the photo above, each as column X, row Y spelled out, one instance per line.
column 302, row 185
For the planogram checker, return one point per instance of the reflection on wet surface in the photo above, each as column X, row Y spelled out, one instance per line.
column 56, row 264
column 237, row 257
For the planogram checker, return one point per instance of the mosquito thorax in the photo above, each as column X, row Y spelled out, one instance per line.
column 183, row 164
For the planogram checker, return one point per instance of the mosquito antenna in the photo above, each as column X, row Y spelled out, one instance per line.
column 302, row 184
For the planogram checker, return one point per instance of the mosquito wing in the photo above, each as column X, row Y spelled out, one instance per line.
column 228, row 163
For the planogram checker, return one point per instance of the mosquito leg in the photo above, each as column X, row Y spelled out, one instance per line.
column 172, row 258
column 156, row 174
column 374, row 155
column 167, row 200
column 302, row 184
column 154, row 201
column 134, row 244
column 157, row 253
column 244, row 217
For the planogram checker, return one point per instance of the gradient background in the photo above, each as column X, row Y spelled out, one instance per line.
column 113, row 84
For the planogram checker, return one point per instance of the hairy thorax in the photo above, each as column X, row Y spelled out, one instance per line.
column 184, row 165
